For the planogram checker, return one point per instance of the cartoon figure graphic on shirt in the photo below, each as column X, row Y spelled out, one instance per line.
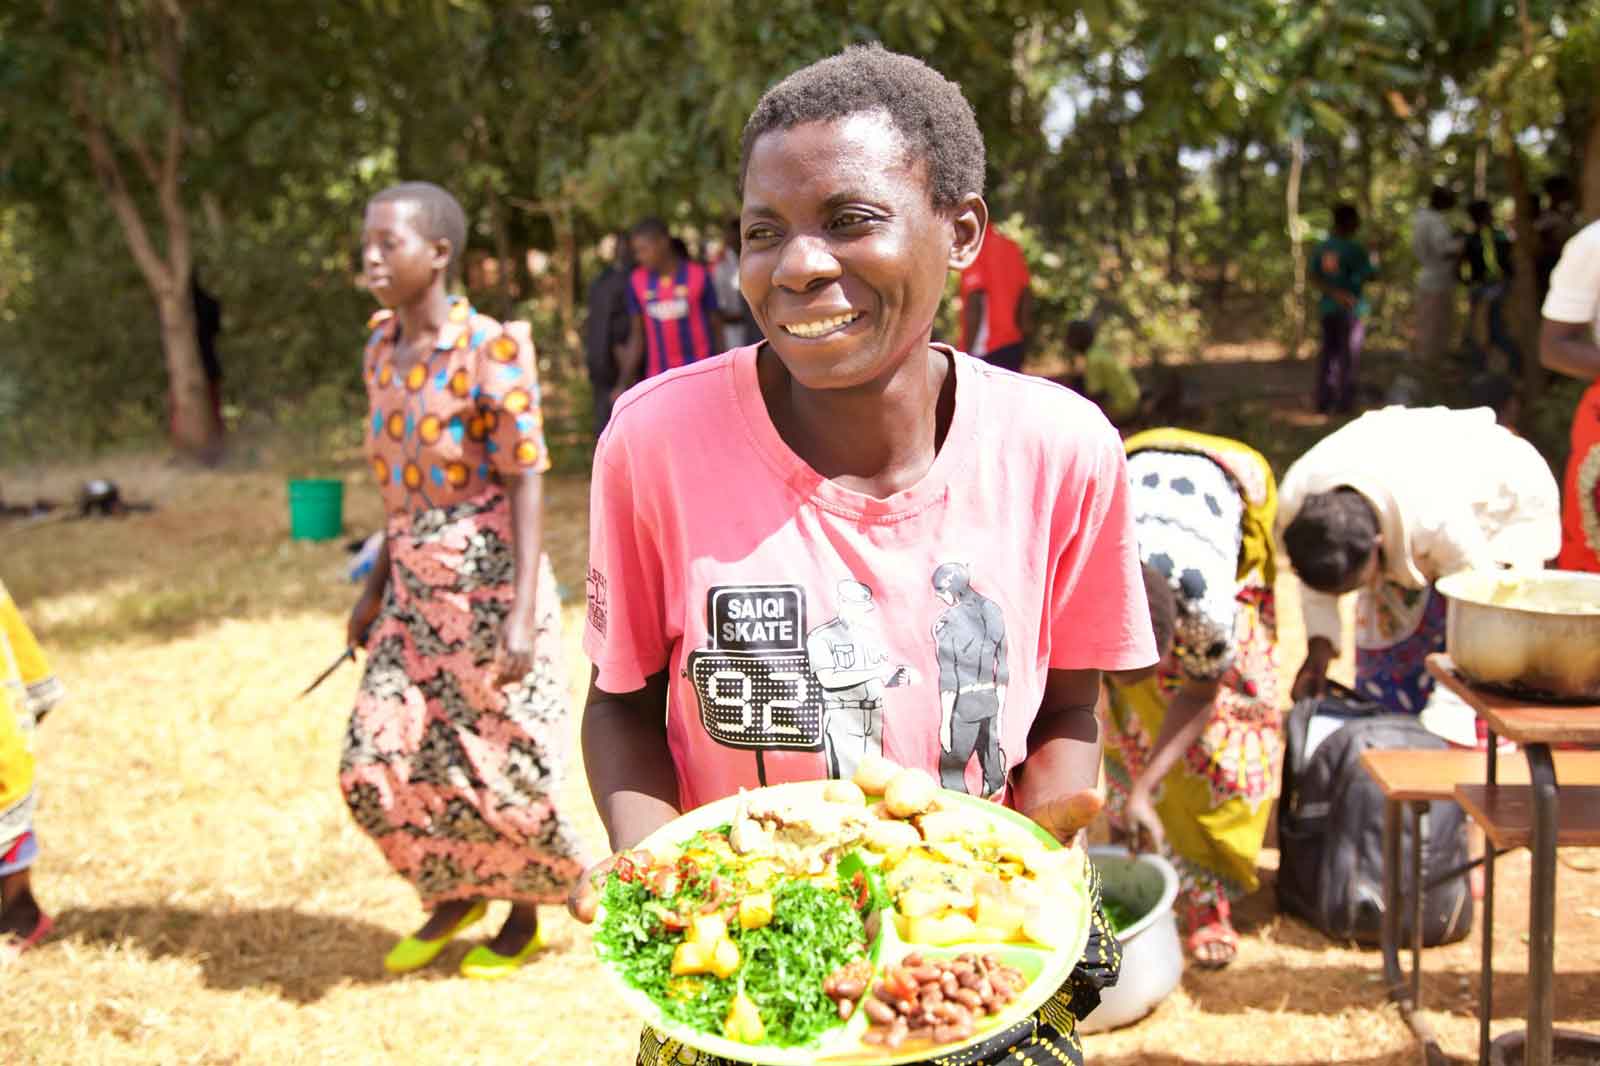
column 847, row 657
column 970, row 643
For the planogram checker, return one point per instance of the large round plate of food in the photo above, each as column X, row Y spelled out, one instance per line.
column 875, row 921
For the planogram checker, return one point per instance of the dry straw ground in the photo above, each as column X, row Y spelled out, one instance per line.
column 216, row 905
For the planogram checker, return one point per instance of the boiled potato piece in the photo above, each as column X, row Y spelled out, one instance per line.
column 954, row 824
column 1000, row 914
column 744, row 1021
column 755, row 910
column 909, row 792
column 1047, row 925
column 890, row 836
column 954, row 853
column 844, row 792
column 689, row 958
column 919, row 903
column 939, row 930
column 760, row 874
column 875, row 773
column 707, row 929
column 724, row 961
column 1054, row 865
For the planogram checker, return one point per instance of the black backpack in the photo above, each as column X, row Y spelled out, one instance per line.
column 1330, row 828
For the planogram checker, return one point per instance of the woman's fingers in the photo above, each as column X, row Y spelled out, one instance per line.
column 584, row 899
column 1065, row 815
column 511, row 667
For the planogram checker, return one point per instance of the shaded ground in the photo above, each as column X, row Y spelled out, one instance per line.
column 217, row 905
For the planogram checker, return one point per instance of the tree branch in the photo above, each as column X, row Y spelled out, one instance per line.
column 172, row 79
column 109, row 173
column 147, row 162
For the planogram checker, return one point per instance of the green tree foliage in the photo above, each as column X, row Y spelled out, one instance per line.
column 1163, row 162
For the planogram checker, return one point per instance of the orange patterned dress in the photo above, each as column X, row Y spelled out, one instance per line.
column 454, row 777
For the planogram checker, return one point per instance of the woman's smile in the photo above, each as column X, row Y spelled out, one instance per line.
column 812, row 329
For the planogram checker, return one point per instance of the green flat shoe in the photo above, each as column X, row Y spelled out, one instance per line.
column 482, row 964
column 413, row 954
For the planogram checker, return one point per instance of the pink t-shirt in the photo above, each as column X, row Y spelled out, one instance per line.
column 803, row 624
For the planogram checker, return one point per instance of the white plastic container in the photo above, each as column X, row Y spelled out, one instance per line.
column 1152, row 954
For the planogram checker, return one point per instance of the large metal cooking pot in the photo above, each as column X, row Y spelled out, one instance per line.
column 1534, row 633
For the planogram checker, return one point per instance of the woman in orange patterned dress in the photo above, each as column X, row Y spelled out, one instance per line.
column 452, row 761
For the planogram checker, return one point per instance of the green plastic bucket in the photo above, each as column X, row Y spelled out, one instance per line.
column 316, row 508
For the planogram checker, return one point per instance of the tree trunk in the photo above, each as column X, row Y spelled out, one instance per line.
column 1369, row 177
column 1590, row 177
column 1231, row 179
column 506, row 274
column 1175, row 219
column 1120, row 171
column 1523, row 305
column 1522, row 309
column 1297, row 313
column 193, row 424
column 567, row 253
column 167, row 271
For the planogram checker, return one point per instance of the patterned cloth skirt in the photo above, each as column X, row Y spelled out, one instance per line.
column 454, row 777
column 1048, row 1038
column 1397, row 628
column 1215, row 802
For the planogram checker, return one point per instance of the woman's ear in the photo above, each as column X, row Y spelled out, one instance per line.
column 442, row 250
column 968, row 225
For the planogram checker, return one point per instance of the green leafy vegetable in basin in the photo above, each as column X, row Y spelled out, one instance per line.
column 1121, row 915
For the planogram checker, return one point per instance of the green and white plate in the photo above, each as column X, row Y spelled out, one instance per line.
column 1047, row 969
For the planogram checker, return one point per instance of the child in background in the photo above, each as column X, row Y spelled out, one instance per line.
column 1106, row 380
column 1340, row 266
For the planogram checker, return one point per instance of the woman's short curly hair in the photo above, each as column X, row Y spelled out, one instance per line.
column 925, row 106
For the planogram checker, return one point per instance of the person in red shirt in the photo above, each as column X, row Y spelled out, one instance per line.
column 996, row 303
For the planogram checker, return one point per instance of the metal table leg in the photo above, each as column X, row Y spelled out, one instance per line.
column 1419, row 829
column 1408, row 1000
column 1542, row 905
column 1486, row 976
column 1389, row 935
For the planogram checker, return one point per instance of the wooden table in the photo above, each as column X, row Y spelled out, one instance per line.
column 1412, row 781
column 1540, row 814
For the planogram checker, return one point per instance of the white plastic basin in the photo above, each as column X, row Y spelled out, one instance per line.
column 1152, row 954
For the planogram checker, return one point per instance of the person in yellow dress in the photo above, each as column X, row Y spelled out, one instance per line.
column 1190, row 753
column 27, row 692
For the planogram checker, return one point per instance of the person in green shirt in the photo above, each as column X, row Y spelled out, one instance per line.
column 1340, row 266
column 1486, row 267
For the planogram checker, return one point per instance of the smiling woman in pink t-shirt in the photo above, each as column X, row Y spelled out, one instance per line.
column 849, row 540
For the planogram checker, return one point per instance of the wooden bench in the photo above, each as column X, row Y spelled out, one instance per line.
column 1506, row 811
column 1413, row 776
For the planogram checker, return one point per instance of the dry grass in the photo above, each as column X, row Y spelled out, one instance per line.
column 216, row 905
